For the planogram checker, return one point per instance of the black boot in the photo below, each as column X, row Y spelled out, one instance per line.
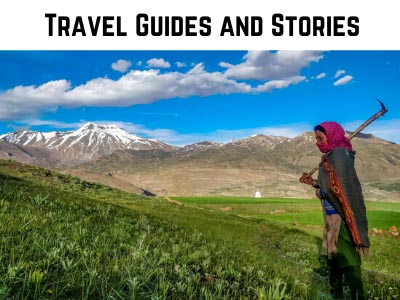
column 335, row 278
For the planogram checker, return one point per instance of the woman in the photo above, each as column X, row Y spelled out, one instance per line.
column 346, row 226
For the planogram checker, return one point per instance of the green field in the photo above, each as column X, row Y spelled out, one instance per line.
column 64, row 238
column 380, row 215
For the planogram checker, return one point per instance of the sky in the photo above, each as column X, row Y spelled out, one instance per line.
column 184, row 97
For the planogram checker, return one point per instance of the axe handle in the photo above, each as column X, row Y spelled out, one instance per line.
column 369, row 121
column 358, row 130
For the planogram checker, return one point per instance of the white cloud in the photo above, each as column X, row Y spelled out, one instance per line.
column 197, row 69
column 339, row 73
column 266, row 65
column 135, row 87
column 344, row 80
column 121, row 65
column 148, row 86
column 226, row 65
column 158, row 63
column 279, row 84
column 139, row 87
column 320, row 76
column 23, row 101
column 180, row 64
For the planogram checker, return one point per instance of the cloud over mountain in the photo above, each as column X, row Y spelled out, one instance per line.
column 277, row 69
column 264, row 65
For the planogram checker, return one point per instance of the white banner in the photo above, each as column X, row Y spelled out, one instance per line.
column 199, row 25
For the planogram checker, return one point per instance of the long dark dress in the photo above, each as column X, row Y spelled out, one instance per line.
column 345, row 233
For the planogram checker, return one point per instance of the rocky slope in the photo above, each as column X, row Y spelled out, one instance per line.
column 270, row 165
column 27, row 154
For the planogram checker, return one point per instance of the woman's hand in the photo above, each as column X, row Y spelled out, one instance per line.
column 307, row 179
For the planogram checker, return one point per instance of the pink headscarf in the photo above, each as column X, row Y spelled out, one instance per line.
column 335, row 136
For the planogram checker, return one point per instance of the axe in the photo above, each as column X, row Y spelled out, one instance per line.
column 358, row 130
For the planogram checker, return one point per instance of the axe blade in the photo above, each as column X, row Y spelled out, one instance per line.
column 383, row 108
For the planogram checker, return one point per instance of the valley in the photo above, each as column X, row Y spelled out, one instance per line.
column 270, row 165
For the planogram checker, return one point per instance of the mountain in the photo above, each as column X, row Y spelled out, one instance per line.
column 200, row 146
column 268, row 164
column 27, row 154
column 89, row 142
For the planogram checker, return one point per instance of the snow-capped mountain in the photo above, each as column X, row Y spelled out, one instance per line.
column 86, row 143
column 260, row 140
column 200, row 146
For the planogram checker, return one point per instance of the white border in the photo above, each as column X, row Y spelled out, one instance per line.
column 24, row 27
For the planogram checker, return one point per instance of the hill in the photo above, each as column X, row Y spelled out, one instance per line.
column 268, row 164
column 27, row 154
column 64, row 238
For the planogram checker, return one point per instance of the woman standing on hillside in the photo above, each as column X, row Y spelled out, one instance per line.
column 346, row 226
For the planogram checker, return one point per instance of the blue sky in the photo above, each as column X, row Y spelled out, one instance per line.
column 183, row 97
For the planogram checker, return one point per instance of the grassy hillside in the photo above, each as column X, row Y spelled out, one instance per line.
column 64, row 238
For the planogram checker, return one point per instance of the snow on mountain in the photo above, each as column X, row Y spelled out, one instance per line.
column 101, row 132
column 201, row 146
column 261, row 140
column 86, row 143
column 27, row 137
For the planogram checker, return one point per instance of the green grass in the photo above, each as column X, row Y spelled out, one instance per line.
column 236, row 200
column 64, row 238
column 303, row 211
column 306, row 216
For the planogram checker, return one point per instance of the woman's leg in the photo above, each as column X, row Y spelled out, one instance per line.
column 352, row 276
